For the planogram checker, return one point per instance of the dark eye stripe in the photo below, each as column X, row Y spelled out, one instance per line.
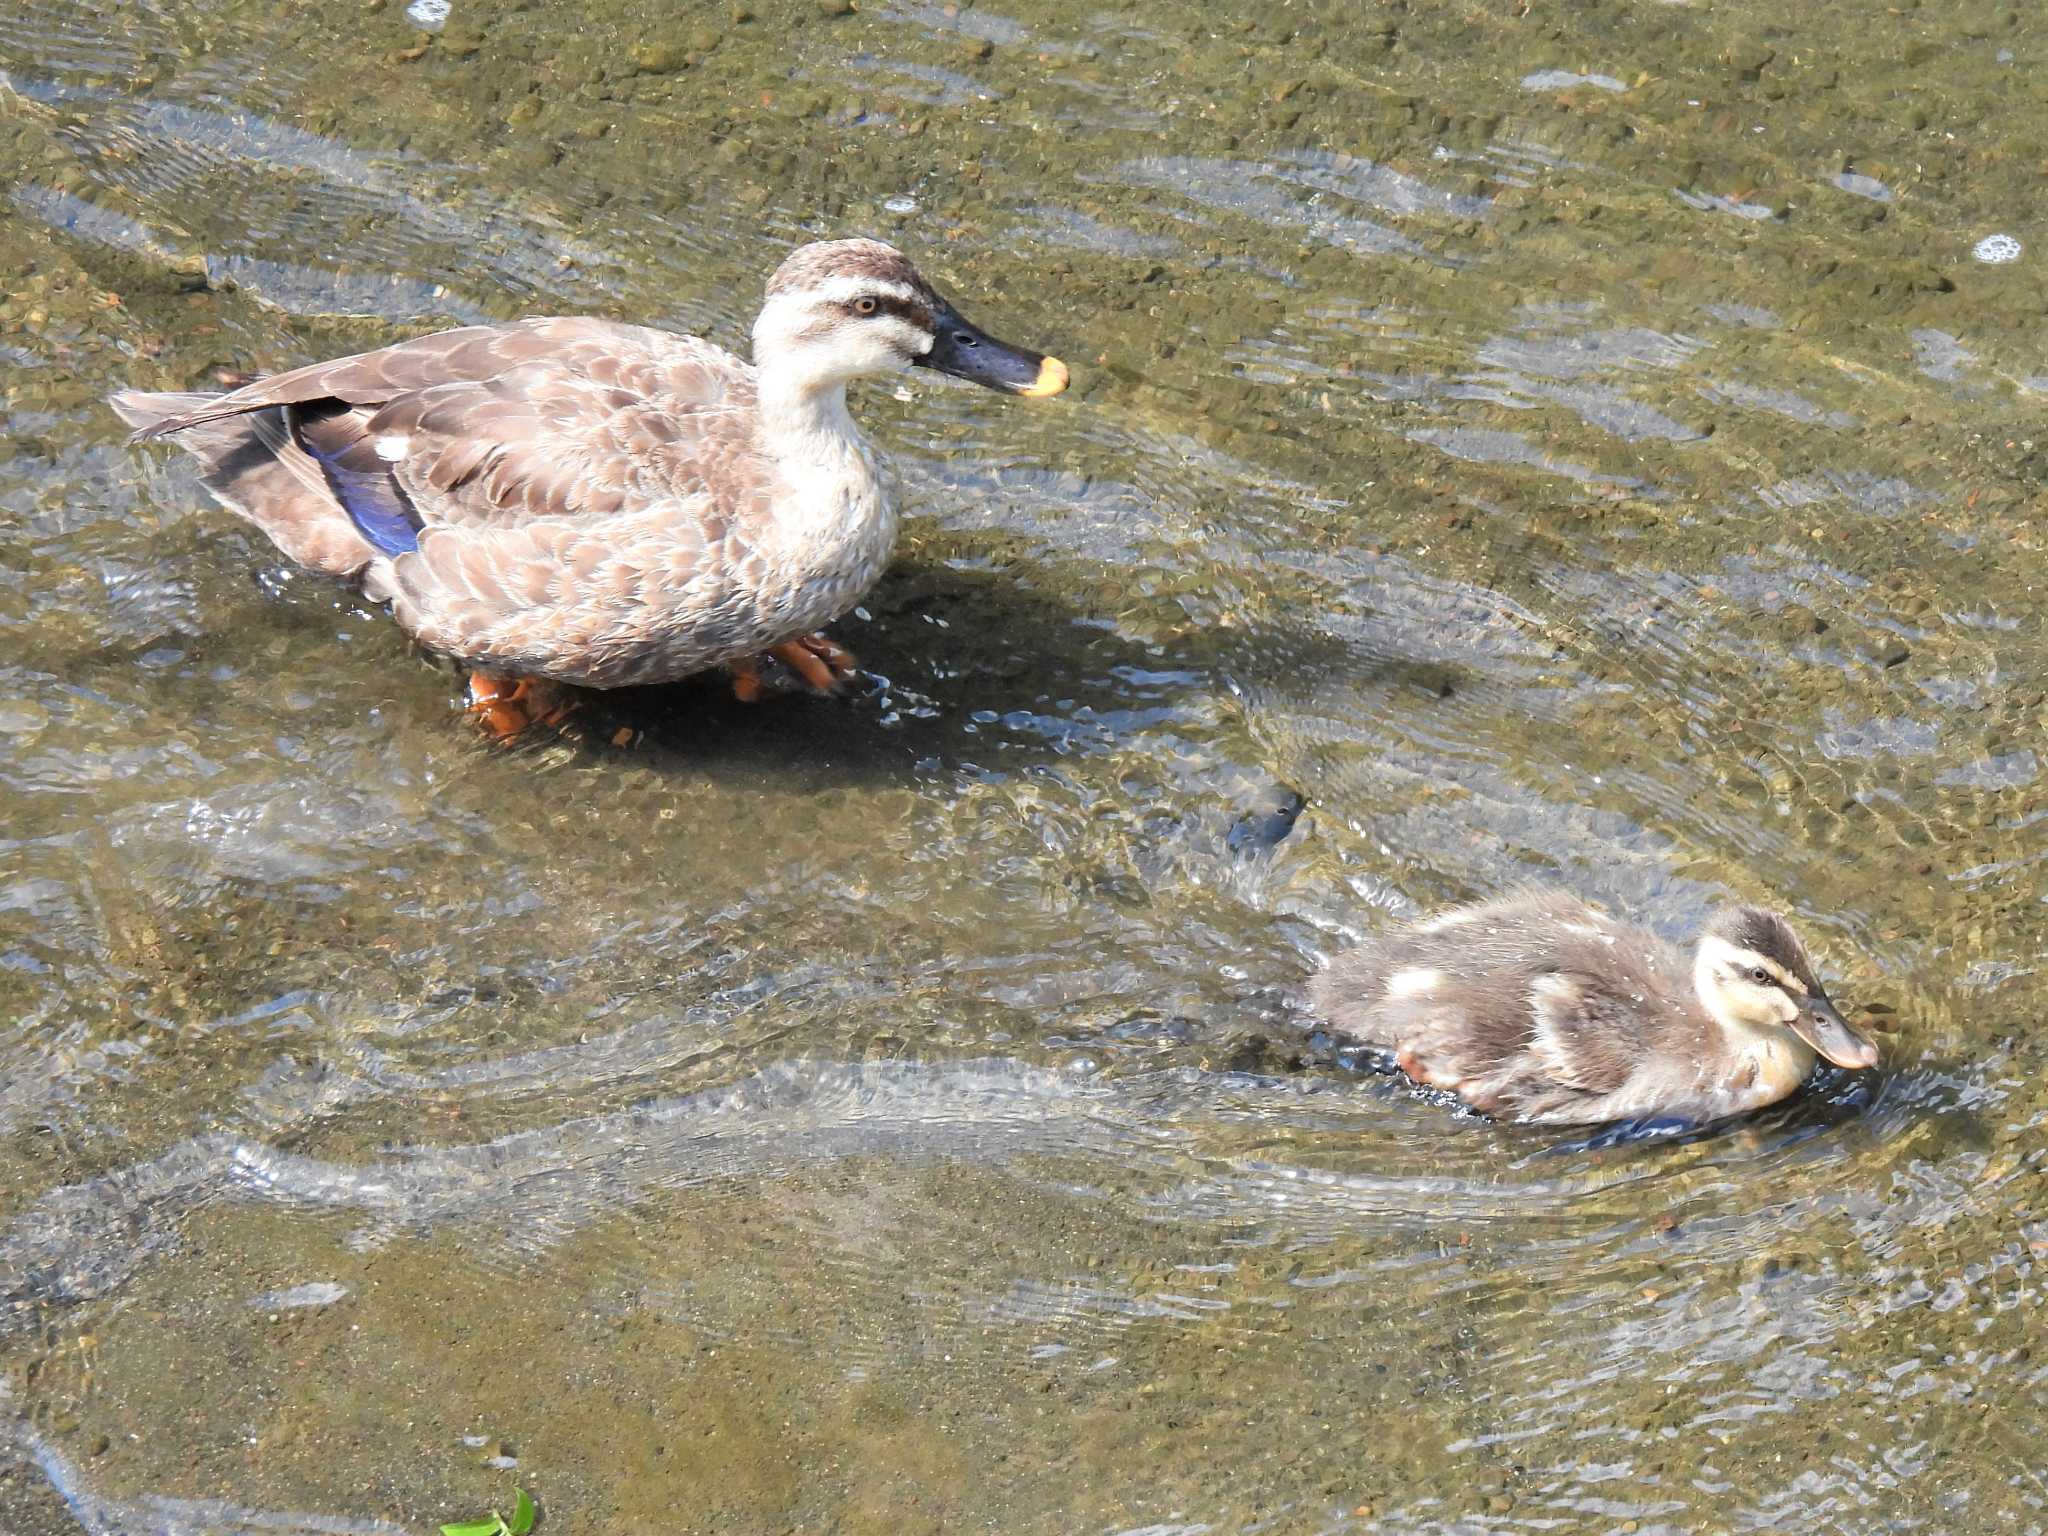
column 909, row 310
column 1773, row 979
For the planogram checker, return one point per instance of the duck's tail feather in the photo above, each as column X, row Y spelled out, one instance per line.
column 257, row 470
column 142, row 410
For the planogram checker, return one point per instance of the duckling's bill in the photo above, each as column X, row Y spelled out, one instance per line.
column 966, row 351
column 1821, row 1026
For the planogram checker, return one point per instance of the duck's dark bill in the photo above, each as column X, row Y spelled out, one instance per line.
column 968, row 352
column 1821, row 1027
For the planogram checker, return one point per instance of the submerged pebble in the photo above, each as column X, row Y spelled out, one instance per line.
column 1266, row 824
column 1564, row 80
column 1862, row 186
column 317, row 1293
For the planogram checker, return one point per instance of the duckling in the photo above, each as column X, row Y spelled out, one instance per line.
column 1539, row 1008
column 577, row 501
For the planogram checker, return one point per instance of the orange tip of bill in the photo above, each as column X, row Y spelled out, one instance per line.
column 1052, row 378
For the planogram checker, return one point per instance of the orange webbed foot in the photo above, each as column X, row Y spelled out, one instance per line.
column 507, row 706
column 819, row 661
column 1410, row 1061
column 747, row 686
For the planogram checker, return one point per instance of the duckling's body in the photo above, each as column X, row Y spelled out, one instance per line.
column 1537, row 1007
column 592, row 503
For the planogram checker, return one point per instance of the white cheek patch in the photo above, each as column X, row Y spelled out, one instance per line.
column 906, row 337
column 1728, row 993
column 860, row 343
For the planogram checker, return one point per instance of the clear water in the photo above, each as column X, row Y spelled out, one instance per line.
column 1578, row 444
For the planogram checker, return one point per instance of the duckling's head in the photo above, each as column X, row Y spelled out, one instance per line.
column 838, row 309
column 1752, row 975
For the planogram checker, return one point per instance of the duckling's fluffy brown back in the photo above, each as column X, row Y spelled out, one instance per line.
column 1532, row 1007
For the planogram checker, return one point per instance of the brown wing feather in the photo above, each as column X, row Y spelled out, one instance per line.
column 1521, row 1006
column 1589, row 1036
column 566, row 417
column 644, row 361
column 551, row 446
column 365, row 378
column 588, row 497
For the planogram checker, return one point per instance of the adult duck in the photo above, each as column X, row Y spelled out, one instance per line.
column 577, row 501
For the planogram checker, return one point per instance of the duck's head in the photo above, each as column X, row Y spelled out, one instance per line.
column 838, row 309
column 1752, row 974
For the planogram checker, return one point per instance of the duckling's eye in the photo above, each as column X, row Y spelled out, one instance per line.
column 863, row 306
column 1759, row 975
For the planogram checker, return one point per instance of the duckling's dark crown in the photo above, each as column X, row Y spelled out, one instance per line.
column 1765, row 933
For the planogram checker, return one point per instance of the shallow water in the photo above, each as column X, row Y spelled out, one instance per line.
column 1582, row 444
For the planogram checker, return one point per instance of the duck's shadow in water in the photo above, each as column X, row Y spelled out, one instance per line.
column 946, row 658
column 958, row 667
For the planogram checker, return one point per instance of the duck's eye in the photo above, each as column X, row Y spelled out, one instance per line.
column 1759, row 975
column 863, row 306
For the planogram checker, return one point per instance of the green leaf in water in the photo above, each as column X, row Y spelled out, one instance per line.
column 522, row 1515
column 491, row 1527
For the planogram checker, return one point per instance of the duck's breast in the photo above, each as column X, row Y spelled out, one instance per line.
column 833, row 529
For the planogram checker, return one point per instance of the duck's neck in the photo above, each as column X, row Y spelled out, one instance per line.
column 1774, row 1061
column 805, row 424
column 831, row 505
